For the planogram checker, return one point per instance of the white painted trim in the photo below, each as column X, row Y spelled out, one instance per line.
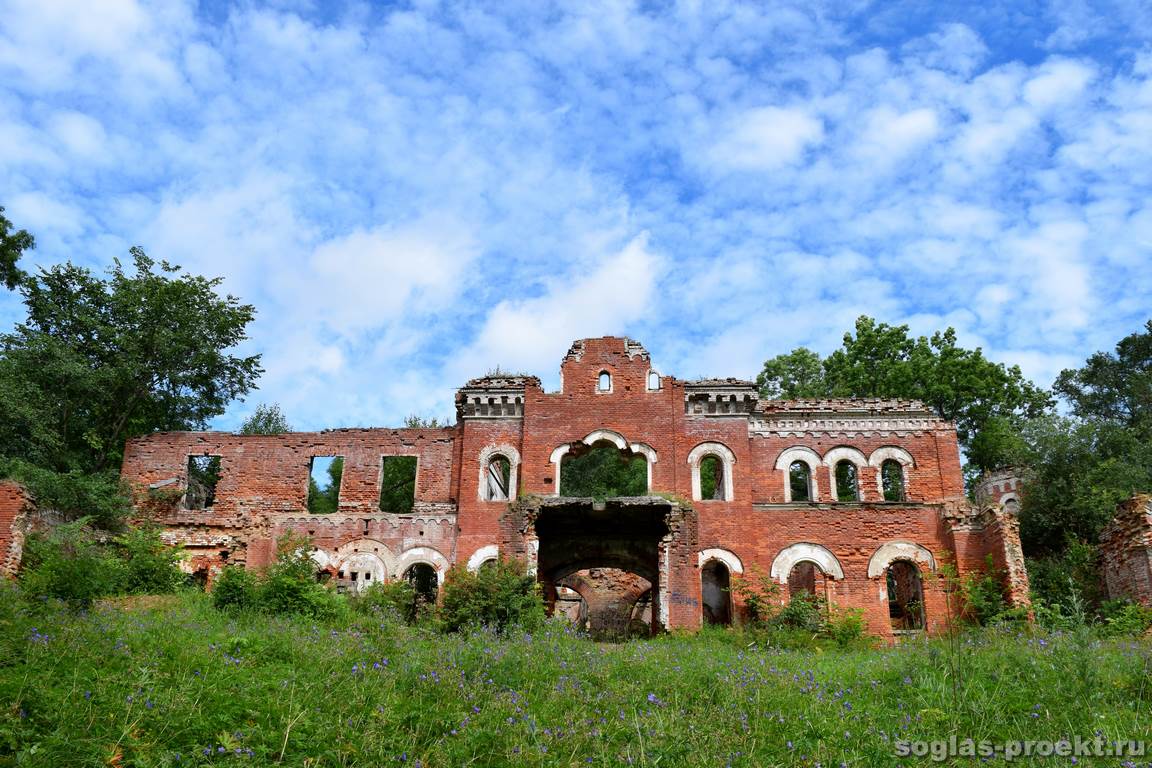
column 596, row 436
column 429, row 555
column 483, row 555
column 507, row 451
column 808, row 456
column 721, row 555
column 898, row 550
column 835, row 455
column 802, row 552
column 725, row 454
column 884, row 453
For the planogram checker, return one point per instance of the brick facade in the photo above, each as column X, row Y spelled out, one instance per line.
column 1126, row 551
column 752, row 523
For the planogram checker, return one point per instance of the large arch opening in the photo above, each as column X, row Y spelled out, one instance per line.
column 611, row 604
column 424, row 581
column 905, row 595
column 716, row 593
column 602, row 470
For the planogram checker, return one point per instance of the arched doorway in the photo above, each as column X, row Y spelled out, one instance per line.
column 905, row 595
column 802, row 579
column 715, row 593
column 424, row 581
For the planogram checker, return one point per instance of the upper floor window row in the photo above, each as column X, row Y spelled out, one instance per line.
column 844, row 469
column 397, row 486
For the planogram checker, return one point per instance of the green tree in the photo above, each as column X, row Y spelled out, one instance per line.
column 12, row 247
column 604, row 471
column 266, row 420
column 1114, row 388
column 414, row 421
column 882, row 360
column 798, row 374
column 100, row 360
column 397, row 483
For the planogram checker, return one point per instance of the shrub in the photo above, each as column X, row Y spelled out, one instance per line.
column 150, row 565
column 804, row 611
column 759, row 594
column 67, row 563
column 235, row 589
column 983, row 595
column 846, row 626
column 1123, row 617
column 392, row 598
column 100, row 498
column 499, row 596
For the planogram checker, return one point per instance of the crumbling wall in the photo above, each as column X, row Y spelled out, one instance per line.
column 15, row 504
column 1126, row 550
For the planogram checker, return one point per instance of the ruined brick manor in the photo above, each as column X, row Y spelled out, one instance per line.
column 860, row 501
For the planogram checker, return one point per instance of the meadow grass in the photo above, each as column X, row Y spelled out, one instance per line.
column 173, row 682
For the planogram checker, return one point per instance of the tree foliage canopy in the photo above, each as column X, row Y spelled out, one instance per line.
column 882, row 360
column 12, row 247
column 266, row 420
column 100, row 360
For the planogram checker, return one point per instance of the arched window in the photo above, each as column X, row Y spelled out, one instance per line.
column 905, row 595
column 800, row 481
column 653, row 380
column 712, row 465
column 802, row 579
column 892, row 480
column 847, row 482
column 424, row 581
column 604, row 382
column 498, row 478
column 712, row 478
column 715, row 593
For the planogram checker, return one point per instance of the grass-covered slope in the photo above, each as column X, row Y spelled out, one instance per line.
column 173, row 682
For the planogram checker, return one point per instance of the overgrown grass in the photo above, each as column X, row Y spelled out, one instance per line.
column 173, row 682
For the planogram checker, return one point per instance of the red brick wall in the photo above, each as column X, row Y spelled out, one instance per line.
column 14, row 502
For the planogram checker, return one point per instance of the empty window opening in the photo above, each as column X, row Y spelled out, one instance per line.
column 487, row 565
column 1012, row 507
column 422, row 577
column 498, row 478
column 892, row 480
column 324, row 484
column 603, row 471
column 653, row 380
column 716, row 593
column 800, row 481
column 203, row 476
column 847, row 484
column 604, row 382
column 802, row 579
column 397, row 483
column 712, row 483
column 905, row 595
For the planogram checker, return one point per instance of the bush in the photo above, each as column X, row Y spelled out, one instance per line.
column 149, row 565
column 499, row 596
column 846, row 626
column 983, row 596
column 288, row 586
column 100, row 498
column 68, row 564
column 1124, row 618
column 235, row 589
column 804, row 611
column 759, row 593
column 396, row 599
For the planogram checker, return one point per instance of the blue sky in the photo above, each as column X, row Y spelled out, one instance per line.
column 414, row 193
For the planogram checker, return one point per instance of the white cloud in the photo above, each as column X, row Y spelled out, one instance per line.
column 766, row 138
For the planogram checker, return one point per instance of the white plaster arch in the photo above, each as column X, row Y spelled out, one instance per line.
column 491, row 451
column 429, row 555
column 898, row 550
column 895, row 453
column 373, row 546
column 368, row 566
column 483, row 555
column 729, row 559
column 805, row 552
column 799, row 453
column 835, row 455
column 602, row 435
column 697, row 454
column 321, row 558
